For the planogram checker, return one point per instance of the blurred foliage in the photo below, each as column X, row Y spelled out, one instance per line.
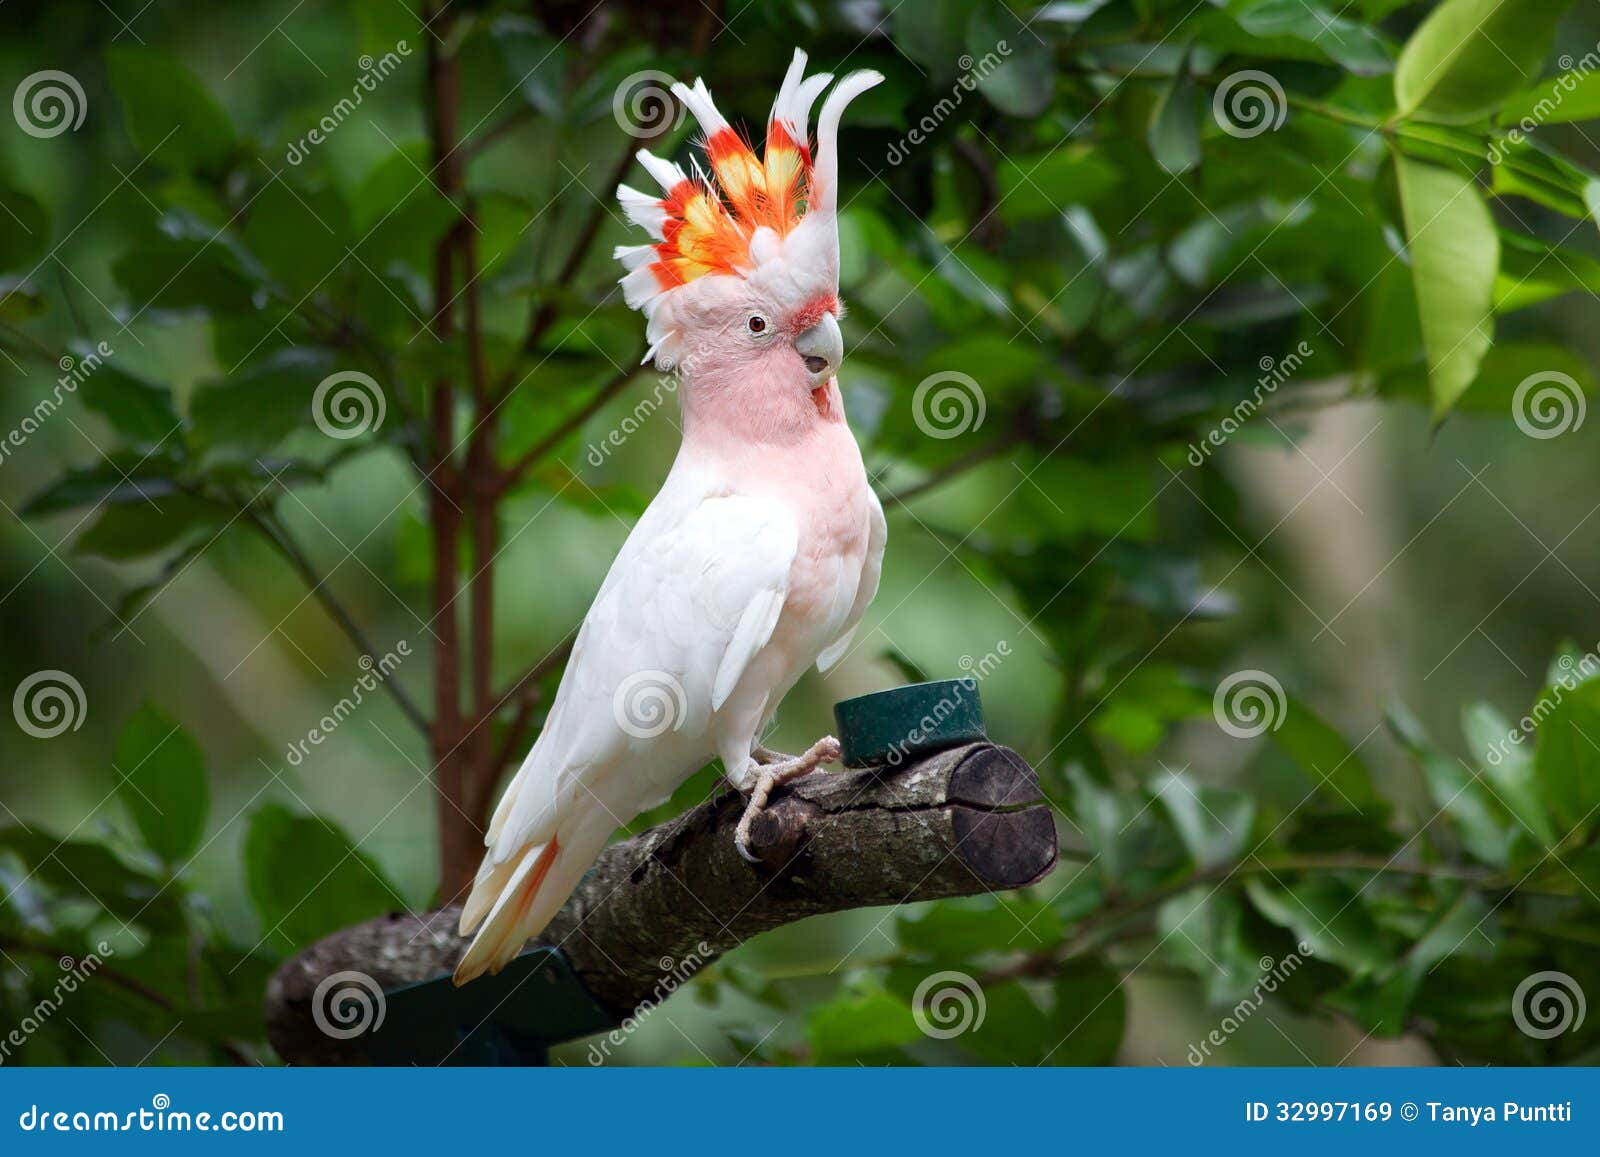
column 1116, row 232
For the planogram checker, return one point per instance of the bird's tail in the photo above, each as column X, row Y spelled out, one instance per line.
column 515, row 899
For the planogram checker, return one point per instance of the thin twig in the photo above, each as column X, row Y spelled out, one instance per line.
column 274, row 532
column 570, row 425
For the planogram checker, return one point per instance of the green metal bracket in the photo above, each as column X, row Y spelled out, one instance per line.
column 509, row 1019
column 888, row 728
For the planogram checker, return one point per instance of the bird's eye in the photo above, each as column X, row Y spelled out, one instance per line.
column 757, row 323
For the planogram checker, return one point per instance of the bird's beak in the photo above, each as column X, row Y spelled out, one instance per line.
column 822, row 349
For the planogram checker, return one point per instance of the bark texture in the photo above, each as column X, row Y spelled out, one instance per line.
column 960, row 822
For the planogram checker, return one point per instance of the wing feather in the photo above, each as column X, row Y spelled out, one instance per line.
column 693, row 596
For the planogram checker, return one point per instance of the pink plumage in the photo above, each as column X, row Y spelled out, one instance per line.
column 763, row 548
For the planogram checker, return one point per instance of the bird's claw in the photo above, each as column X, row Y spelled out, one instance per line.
column 775, row 773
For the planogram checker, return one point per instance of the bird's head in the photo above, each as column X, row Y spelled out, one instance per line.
column 740, row 286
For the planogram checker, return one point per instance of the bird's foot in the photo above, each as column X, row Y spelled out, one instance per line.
column 777, row 770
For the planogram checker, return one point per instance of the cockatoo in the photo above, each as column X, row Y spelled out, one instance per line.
column 762, row 549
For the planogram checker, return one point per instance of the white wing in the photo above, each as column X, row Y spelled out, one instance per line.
column 871, row 572
column 692, row 597
column 681, row 614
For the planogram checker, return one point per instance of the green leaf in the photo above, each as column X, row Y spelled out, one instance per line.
column 1214, row 822
column 1090, row 1016
column 1458, row 793
column 256, row 408
column 24, row 229
column 1326, row 915
column 306, row 879
column 934, row 34
column 1508, row 763
column 131, row 530
column 140, row 410
column 92, row 871
column 298, row 234
column 1331, row 763
column 161, row 780
column 1469, row 55
column 1044, row 186
column 170, row 115
column 1567, row 756
column 859, row 1024
column 126, row 477
column 1174, row 133
column 184, row 273
column 1346, row 42
column 1533, row 271
column 1014, row 66
column 1572, row 96
column 960, row 930
column 1455, row 256
column 1203, row 928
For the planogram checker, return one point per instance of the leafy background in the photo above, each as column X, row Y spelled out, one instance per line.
column 1081, row 234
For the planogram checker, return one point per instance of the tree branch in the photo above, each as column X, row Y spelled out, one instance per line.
column 956, row 467
column 961, row 822
column 274, row 532
column 544, row 316
column 570, row 425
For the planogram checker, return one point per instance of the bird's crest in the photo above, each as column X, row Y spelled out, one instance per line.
column 743, row 215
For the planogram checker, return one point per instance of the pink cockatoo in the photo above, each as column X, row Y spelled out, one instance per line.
column 762, row 549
